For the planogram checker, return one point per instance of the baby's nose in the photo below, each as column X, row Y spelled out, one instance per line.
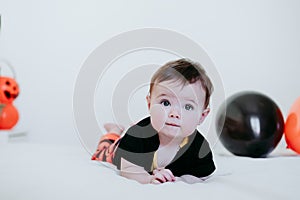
column 174, row 113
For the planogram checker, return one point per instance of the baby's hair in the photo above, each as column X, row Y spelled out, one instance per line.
column 187, row 72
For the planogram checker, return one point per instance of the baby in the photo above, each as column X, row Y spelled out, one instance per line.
column 166, row 146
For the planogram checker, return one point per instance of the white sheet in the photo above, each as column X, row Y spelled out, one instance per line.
column 35, row 171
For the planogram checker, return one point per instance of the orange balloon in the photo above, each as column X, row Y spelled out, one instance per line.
column 9, row 116
column 292, row 127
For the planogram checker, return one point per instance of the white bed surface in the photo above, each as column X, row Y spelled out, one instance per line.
column 36, row 171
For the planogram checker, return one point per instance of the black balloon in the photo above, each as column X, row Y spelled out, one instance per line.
column 250, row 124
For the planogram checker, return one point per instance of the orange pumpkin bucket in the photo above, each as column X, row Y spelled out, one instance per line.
column 9, row 91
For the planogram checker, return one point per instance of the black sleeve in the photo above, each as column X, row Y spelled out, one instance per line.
column 137, row 146
column 204, row 164
column 196, row 159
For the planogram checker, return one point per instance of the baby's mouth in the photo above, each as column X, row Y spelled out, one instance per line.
column 172, row 124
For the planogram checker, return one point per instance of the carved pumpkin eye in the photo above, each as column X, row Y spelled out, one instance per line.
column 7, row 83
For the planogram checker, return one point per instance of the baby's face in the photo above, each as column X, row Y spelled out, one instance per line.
column 176, row 110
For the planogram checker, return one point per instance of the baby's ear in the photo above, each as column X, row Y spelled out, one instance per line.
column 148, row 101
column 204, row 115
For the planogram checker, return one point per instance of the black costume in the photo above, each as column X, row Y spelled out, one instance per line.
column 141, row 141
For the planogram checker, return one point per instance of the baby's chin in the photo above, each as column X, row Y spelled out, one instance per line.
column 171, row 132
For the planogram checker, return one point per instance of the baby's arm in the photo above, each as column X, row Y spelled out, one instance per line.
column 138, row 173
column 135, row 172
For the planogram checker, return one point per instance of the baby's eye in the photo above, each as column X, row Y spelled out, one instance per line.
column 188, row 107
column 165, row 103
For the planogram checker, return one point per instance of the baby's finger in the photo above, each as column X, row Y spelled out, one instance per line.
column 160, row 177
column 168, row 174
column 154, row 181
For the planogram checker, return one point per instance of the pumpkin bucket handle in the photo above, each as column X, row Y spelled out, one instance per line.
column 7, row 64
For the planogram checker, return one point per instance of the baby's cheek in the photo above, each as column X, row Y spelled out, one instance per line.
column 190, row 123
column 158, row 117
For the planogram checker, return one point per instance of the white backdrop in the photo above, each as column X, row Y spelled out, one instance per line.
column 255, row 45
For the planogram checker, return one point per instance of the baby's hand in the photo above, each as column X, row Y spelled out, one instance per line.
column 162, row 176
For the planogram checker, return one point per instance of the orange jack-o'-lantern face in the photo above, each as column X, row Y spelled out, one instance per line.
column 9, row 89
